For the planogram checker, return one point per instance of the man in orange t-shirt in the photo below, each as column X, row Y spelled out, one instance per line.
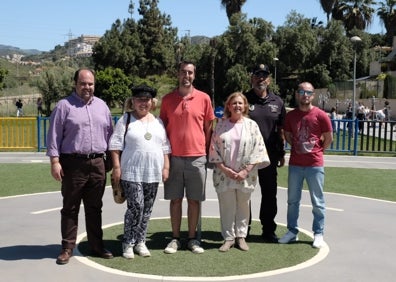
column 188, row 116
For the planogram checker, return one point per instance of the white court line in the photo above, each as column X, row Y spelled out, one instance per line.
column 45, row 211
column 49, row 210
column 207, row 200
column 327, row 208
column 305, row 206
column 184, row 199
column 321, row 255
column 27, row 195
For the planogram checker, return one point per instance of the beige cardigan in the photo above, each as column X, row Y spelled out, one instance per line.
column 252, row 150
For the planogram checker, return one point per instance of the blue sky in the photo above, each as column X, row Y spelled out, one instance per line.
column 43, row 24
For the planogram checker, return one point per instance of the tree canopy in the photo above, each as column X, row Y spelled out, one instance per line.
column 54, row 84
column 387, row 15
column 139, row 48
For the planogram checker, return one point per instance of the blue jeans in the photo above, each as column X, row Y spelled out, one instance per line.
column 314, row 177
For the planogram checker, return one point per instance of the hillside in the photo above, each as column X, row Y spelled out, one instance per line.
column 6, row 50
column 59, row 51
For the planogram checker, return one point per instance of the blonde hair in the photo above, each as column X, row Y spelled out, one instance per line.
column 227, row 112
column 128, row 105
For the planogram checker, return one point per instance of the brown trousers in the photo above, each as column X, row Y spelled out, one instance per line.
column 84, row 179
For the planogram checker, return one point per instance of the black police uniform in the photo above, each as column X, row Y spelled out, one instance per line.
column 269, row 113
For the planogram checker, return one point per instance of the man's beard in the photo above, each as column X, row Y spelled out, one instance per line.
column 261, row 87
column 305, row 102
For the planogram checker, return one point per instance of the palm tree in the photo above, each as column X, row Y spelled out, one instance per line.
column 315, row 23
column 354, row 13
column 387, row 14
column 327, row 6
column 232, row 7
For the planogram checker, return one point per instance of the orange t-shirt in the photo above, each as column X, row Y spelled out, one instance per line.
column 184, row 119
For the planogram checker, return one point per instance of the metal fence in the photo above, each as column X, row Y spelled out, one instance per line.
column 350, row 136
column 18, row 133
column 363, row 136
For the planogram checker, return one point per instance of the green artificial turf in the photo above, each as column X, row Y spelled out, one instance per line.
column 371, row 183
column 260, row 258
column 19, row 179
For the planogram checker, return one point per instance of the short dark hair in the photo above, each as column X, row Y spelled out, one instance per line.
column 184, row 62
column 77, row 73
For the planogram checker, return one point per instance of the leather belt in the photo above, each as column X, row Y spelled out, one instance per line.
column 84, row 156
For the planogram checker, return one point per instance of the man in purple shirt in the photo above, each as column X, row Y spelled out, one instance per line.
column 77, row 140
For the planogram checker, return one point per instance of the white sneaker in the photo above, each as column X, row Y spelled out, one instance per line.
column 172, row 247
column 142, row 250
column 318, row 241
column 194, row 246
column 127, row 251
column 288, row 237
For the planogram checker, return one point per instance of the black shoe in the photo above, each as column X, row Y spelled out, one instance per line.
column 103, row 253
column 269, row 238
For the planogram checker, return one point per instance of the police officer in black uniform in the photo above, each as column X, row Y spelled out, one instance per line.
column 268, row 110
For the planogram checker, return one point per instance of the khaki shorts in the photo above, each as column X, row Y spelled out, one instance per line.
column 186, row 174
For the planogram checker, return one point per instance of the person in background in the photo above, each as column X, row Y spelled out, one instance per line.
column 360, row 116
column 386, row 111
column 268, row 110
column 308, row 130
column 333, row 117
column 188, row 115
column 379, row 115
column 39, row 104
column 144, row 163
column 19, row 106
column 349, row 115
column 77, row 140
column 236, row 149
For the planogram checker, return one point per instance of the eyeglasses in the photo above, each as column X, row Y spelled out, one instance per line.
column 303, row 92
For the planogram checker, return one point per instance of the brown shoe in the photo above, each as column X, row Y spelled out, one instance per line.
column 228, row 244
column 242, row 244
column 103, row 253
column 64, row 256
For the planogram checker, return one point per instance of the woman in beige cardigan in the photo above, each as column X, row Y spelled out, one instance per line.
column 237, row 149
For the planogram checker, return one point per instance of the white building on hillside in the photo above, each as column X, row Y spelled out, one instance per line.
column 81, row 46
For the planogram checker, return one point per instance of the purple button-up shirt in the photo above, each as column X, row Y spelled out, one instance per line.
column 76, row 127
